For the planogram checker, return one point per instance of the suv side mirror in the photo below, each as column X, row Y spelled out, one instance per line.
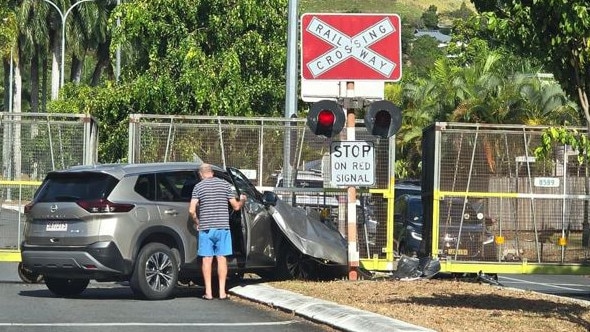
column 269, row 198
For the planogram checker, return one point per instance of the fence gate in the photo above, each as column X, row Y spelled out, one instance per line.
column 533, row 214
column 32, row 145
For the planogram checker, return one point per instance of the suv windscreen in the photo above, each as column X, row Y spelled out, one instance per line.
column 75, row 186
column 453, row 210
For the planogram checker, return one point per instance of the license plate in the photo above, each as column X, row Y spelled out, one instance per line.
column 460, row 252
column 56, row 227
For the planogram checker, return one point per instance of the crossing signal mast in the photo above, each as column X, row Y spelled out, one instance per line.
column 327, row 118
column 345, row 48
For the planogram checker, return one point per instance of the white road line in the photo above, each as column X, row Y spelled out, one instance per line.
column 543, row 284
column 146, row 324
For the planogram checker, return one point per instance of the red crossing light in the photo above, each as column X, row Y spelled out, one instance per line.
column 326, row 118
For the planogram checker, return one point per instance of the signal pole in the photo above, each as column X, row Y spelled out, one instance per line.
column 353, row 254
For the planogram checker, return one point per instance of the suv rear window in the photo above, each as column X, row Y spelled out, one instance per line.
column 68, row 187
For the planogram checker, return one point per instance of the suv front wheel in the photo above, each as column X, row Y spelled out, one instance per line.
column 156, row 272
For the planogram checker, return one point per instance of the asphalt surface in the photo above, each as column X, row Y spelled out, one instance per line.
column 340, row 317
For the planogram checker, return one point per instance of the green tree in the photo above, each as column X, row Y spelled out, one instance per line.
column 210, row 58
column 424, row 51
column 430, row 18
column 88, row 35
column 182, row 57
column 555, row 32
column 544, row 102
column 463, row 13
column 419, row 109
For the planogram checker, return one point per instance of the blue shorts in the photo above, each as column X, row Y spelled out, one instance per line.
column 214, row 242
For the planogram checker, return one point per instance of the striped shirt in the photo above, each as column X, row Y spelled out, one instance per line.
column 213, row 210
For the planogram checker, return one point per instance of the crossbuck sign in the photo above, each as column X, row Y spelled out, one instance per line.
column 351, row 47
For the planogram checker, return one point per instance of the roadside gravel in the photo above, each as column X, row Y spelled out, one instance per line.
column 453, row 305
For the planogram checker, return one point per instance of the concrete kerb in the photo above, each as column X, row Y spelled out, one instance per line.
column 344, row 318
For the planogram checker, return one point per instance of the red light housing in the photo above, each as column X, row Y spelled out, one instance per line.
column 383, row 119
column 326, row 118
column 104, row 206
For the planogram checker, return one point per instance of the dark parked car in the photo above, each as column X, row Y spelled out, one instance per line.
column 459, row 219
column 129, row 222
column 408, row 224
column 407, row 187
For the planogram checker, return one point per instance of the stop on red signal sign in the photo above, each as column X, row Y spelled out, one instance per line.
column 352, row 163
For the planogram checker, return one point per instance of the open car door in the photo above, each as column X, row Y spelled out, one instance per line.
column 256, row 223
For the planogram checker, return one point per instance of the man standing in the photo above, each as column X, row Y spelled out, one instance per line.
column 209, row 210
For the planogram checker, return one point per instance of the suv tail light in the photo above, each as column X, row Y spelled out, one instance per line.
column 104, row 206
column 28, row 207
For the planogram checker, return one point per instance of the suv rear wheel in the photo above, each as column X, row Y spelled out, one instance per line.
column 156, row 272
column 66, row 287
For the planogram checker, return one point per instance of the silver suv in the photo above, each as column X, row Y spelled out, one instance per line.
column 130, row 222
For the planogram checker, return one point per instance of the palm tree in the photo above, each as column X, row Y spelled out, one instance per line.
column 446, row 87
column 420, row 107
column 8, row 38
column 80, row 22
column 545, row 103
column 478, row 87
column 89, row 31
column 33, row 28
column 8, row 32
column 53, row 24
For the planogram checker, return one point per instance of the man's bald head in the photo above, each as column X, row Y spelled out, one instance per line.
column 205, row 170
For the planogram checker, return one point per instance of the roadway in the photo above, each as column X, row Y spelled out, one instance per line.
column 572, row 286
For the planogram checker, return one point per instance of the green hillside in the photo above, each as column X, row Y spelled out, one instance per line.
column 409, row 10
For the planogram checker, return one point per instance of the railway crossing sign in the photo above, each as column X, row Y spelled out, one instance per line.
column 351, row 47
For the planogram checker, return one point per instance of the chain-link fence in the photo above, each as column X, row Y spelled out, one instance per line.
column 490, row 200
column 258, row 147
column 487, row 199
column 32, row 145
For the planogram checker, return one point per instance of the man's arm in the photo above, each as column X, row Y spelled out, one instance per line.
column 192, row 211
column 235, row 204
